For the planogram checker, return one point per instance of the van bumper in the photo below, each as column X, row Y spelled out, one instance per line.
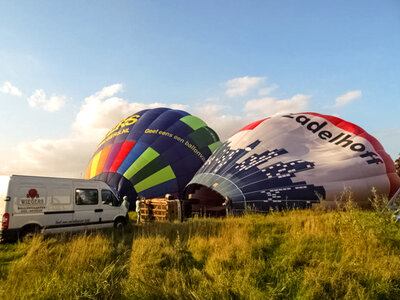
column 9, row 235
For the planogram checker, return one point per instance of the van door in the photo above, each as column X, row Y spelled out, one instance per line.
column 87, row 205
column 111, row 206
column 59, row 209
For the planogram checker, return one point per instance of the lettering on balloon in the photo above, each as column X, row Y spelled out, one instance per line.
column 157, row 131
column 178, row 139
column 195, row 150
column 114, row 134
column 154, row 131
column 120, row 128
column 342, row 139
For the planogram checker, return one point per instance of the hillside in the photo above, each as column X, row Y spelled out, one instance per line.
column 313, row 254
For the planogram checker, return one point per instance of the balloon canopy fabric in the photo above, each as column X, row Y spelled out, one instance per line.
column 295, row 160
column 152, row 152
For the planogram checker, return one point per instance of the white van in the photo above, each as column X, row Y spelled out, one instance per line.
column 30, row 205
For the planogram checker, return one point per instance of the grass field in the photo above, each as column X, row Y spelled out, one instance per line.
column 310, row 254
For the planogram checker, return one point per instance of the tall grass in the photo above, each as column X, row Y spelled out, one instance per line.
column 53, row 268
column 310, row 254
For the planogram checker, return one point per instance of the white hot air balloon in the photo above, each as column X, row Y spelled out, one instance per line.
column 293, row 160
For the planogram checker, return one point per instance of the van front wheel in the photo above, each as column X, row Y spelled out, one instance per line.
column 120, row 224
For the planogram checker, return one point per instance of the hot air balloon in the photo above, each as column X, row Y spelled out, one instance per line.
column 152, row 152
column 293, row 160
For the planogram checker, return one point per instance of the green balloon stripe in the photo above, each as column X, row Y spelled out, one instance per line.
column 157, row 178
column 214, row 146
column 147, row 156
column 155, row 165
column 201, row 137
column 194, row 122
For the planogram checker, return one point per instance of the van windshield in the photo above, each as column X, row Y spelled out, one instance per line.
column 109, row 198
column 4, row 180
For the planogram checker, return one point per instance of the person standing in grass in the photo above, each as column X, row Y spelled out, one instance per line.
column 228, row 205
column 138, row 209
column 125, row 203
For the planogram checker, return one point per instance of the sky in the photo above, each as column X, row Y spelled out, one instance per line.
column 71, row 70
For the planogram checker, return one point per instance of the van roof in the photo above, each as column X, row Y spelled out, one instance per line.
column 48, row 177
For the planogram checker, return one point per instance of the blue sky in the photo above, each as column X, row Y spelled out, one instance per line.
column 69, row 70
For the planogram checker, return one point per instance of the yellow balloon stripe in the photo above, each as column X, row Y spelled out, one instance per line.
column 87, row 173
column 102, row 160
column 95, row 162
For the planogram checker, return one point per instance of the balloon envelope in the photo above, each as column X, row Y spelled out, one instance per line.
column 152, row 152
column 294, row 160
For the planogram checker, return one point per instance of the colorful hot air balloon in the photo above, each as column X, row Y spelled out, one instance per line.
column 294, row 159
column 152, row 152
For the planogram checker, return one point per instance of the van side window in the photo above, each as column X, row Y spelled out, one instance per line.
column 108, row 198
column 86, row 196
column 61, row 197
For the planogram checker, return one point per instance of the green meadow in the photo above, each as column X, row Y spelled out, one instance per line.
column 308, row 254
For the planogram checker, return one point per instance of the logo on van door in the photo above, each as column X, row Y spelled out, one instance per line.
column 32, row 194
column 32, row 203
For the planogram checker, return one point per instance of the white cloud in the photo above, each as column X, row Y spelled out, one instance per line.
column 225, row 125
column 69, row 156
column 65, row 157
column 267, row 90
column 178, row 106
column 347, row 98
column 40, row 100
column 241, row 86
column 8, row 88
column 101, row 111
column 264, row 107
